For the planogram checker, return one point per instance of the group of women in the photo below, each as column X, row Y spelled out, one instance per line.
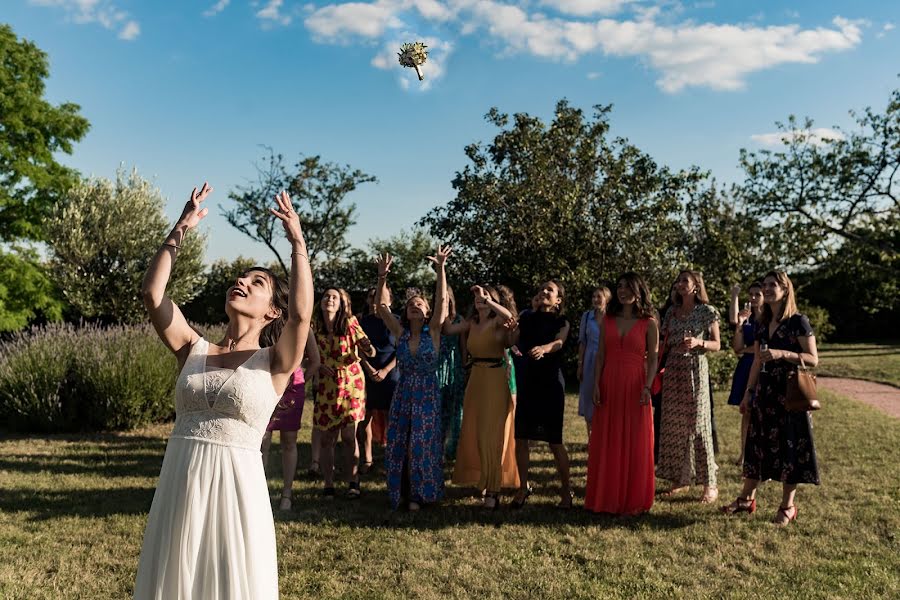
column 431, row 384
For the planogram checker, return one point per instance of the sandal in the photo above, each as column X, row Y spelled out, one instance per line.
column 414, row 506
column 353, row 492
column 787, row 518
column 314, row 471
column 710, row 495
column 365, row 467
column 285, row 502
column 491, row 501
column 747, row 505
column 517, row 504
column 567, row 502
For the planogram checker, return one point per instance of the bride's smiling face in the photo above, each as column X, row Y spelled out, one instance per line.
column 251, row 295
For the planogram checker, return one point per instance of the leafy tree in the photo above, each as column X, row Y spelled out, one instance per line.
column 356, row 271
column 32, row 131
column 318, row 190
column 26, row 291
column 562, row 200
column 102, row 240
column 208, row 306
column 832, row 191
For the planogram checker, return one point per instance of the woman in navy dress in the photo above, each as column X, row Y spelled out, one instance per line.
column 779, row 443
column 744, row 323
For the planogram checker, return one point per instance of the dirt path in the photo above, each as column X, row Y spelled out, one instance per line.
column 885, row 398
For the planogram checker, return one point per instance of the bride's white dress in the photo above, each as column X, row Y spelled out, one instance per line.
column 210, row 533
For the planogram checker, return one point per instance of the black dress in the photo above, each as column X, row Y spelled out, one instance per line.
column 541, row 393
column 379, row 393
column 780, row 443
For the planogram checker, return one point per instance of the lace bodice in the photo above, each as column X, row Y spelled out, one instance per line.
column 222, row 406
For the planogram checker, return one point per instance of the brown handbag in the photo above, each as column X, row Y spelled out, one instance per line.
column 801, row 394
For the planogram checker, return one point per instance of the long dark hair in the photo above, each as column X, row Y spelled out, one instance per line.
column 280, row 293
column 643, row 300
column 789, row 306
column 699, row 291
column 341, row 319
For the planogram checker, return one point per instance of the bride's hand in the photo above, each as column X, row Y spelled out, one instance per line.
column 289, row 218
column 192, row 213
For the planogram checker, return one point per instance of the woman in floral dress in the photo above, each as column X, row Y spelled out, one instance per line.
column 341, row 391
column 779, row 443
column 690, row 330
column 415, row 443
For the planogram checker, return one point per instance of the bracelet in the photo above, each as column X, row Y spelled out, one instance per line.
column 172, row 245
column 298, row 253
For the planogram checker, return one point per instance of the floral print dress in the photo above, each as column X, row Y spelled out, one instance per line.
column 340, row 399
column 686, row 454
column 780, row 443
column 414, row 437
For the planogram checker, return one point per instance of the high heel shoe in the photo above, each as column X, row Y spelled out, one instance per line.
column 517, row 504
column 783, row 510
column 747, row 505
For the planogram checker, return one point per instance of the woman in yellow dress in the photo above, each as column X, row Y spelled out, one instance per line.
column 486, row 454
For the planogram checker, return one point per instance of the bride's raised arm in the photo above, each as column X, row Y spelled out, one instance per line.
column 165, row 315
column 288, row 350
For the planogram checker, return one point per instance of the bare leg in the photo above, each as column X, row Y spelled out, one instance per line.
column 351, row 449
column 315, row 449
column 787, row 512
column 562, row 466
column 288, row 461
column 523, row 457
column 327, row 442
column 364, row 440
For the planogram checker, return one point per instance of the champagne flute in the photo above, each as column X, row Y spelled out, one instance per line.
column 763, row 346
column 688, row 334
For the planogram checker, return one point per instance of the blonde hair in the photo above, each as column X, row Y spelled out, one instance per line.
column 789, row 306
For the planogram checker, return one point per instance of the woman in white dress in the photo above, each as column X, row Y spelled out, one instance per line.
column 210, row 533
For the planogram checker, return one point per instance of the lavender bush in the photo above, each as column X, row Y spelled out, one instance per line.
column 63, row 377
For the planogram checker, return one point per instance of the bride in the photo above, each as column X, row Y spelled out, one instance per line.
column 210, row 533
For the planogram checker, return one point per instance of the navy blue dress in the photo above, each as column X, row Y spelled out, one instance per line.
column 742, row 370
column 379, row 393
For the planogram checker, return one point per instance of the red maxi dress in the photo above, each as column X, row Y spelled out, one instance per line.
column 620, row 478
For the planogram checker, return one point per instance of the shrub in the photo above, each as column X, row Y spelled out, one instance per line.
column 68, row 378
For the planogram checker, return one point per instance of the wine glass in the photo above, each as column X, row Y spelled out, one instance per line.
column 688, row 334
column 762, row 348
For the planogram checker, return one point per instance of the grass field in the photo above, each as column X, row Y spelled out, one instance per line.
column 73, row 510
column 875, row 362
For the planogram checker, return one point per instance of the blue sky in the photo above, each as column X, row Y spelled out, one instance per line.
column 188, row 90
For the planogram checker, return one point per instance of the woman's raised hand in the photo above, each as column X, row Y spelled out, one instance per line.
column 289, row 217
column 440, row 258
column 384, row 262
column 193, row 213
column 481, row 294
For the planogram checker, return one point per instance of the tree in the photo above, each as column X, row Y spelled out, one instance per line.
column 562, row 200
column 318, row 190
column 26, row 290
column 102, row 240
column 208, row 306
column 32, row 131
column 832, row 189
column 356, row 271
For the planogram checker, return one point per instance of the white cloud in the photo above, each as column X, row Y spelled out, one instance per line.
column 584, row 8
column 216, row 8
column 102, row 12
column 340, row 21
column 885, row 29
column 816, row 136
column 719, row 56
column 594, row 75
column 434, row 69
column 130, row 31
column 271, row 14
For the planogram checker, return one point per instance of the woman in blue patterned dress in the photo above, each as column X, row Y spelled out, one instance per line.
column 414, row 438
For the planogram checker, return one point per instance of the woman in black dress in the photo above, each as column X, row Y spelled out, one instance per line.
column 779, row 443
column 540, row 336
column 381, row 379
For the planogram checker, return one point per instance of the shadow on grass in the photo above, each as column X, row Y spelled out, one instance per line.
column 132, row 464
column 89, row 503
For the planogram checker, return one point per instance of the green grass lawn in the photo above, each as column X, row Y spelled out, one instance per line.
column 73, row 511
column 875, row 362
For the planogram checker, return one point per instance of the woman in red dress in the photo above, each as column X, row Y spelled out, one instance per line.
column 620, row 476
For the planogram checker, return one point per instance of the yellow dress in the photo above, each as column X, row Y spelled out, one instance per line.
column 341, row 399
column 486, row 454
